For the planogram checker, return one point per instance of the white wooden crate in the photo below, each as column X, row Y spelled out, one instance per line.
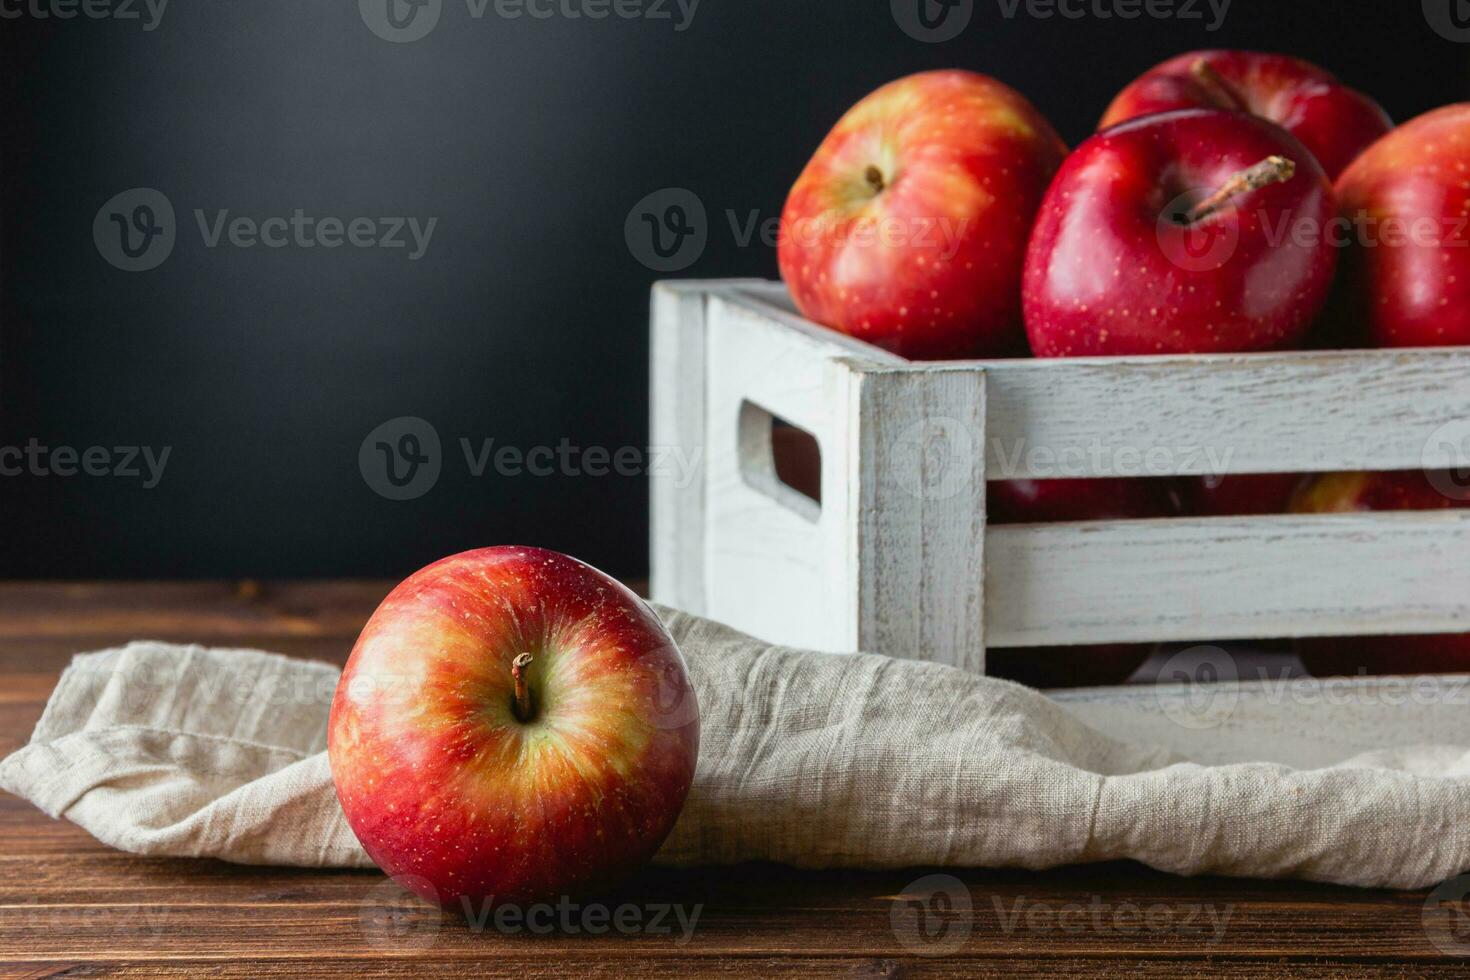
column 897, row 557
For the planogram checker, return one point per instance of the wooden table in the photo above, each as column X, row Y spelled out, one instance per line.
column 71, row 907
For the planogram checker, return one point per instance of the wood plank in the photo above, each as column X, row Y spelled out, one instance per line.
column 676, row 422
column 918, row 471
column 1279, row 576
column 71, row 906
column 1298, row 411
column 209, row 911
column 534, row 962
column 201, row 611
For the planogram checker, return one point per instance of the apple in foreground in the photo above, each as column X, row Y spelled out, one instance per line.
column 1198, row 231
column 1435, row 653
column 1333, row 121
column 908, row 227
column 1407, row 267
column 513, row 726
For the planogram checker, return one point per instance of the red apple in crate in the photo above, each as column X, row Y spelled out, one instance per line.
column 1333, row 121
column 908, row 227
column 512, row 726
column 1198, row 231
column 1238, row 495
column 1407, row 269
column 1427, row 653
column 1098, row 499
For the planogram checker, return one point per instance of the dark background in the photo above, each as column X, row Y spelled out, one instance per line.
column 525, row 321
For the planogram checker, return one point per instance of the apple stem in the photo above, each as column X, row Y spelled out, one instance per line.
column 1272, row 170
column 522, row 705
column 874, row 177
column 1220, row 91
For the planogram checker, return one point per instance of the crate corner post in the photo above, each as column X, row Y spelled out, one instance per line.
column 918, row 472
column 676, row 425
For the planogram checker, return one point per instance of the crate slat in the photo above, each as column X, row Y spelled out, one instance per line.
column 1228, row 578
column 1296, row 412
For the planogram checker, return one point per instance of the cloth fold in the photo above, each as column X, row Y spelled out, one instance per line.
column 809, row 759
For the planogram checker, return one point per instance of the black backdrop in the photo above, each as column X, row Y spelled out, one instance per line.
column 262, row 370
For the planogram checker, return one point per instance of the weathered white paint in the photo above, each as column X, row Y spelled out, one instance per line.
column 1229, row 578
column 897, row 559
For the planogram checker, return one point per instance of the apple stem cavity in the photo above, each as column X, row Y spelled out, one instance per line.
column 874, row 177
column 521, row 706
column 1272, row 170
column 1221, row 92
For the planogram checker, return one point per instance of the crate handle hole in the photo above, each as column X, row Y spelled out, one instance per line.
column 781, row 459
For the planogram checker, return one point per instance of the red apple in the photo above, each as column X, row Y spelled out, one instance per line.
column 1408, row 261
column 1342, row 493
column 1334, row 122
column 1427, row 653
column 512, row 726
column 1238, row 495
column 1100, row 499
column 1199, row 231
column 908, row 227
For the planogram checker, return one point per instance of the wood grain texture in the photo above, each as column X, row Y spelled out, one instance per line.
column 919, row 465
column 1299, row 411
column 71, row 907
column 1229, row 578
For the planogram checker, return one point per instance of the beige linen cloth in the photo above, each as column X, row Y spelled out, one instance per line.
column 811, row 759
